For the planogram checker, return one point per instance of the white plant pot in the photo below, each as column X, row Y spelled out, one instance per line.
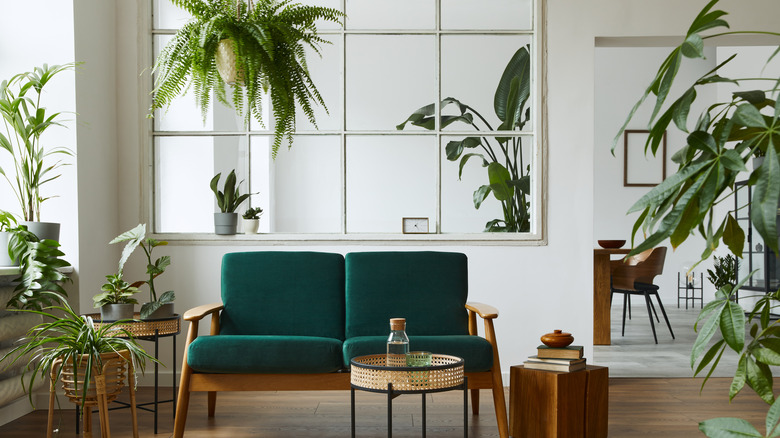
column 225, row 223
column 44, row 230
column 250, row 226
column 5, row 259
column 226, row 63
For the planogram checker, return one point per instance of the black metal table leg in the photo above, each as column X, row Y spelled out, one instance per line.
column 424, row 413
column 352, row 410
column 389, row 410
column 156, row 372
column 465, row 407
column 174, row 377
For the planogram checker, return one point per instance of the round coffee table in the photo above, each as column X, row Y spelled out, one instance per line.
column 371, row 373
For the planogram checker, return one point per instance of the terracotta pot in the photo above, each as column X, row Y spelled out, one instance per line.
column 557, row 339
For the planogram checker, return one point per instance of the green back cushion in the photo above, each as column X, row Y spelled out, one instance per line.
column 283, row 293
column 427, row 288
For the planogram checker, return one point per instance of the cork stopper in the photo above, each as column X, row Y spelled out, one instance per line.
column 397, row 323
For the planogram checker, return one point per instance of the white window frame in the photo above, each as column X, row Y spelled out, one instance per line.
column 539, row 183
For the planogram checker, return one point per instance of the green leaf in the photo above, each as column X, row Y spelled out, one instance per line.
column 748, row 115
column 498, row 177
column 732, row 325
column 133, row 238
column 167, row 297
column 709, row 355
column 466, row 158
column 455, row 148
column 693, row 47
column 740, row 377
column 519, row 67
column 703, row 141
column 734, row 236
column 767, row 356
column 759, row 381
column 659, row 192
column 682, row 109
column 731, row 160
column 728, row 427
column 754, row 97
column 706, row 332
column 763, row 212
column 772, row 419
column 480, row 194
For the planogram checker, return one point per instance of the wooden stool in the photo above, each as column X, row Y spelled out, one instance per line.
column 105, row 388
column 549, row 404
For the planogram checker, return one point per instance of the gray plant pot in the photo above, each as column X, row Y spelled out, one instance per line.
column 225, row 223
column 5, row 259
column 44, row 230
column 165, row 311
column 115, row 312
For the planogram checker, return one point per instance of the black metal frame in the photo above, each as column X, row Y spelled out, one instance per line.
column 690, row 287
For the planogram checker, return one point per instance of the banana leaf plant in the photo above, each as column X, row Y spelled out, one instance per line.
column 719, row 144
column 508, row 175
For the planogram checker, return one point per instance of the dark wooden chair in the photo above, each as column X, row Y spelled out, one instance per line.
column 634, row 276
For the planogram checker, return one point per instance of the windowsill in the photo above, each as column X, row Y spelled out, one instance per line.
column 524, row 239
column 8, row 271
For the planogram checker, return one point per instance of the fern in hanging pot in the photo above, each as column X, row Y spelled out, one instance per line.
column 261, row 42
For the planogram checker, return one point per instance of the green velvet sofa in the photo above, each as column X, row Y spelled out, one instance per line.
column 294, row 320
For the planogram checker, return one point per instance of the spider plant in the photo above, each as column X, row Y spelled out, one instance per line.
column 267, row 37
column 74, row 339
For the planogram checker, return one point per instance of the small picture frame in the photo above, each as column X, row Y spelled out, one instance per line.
column 415, row 225
column 640, row 169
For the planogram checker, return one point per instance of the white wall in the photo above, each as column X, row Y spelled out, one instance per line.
column 622, row 75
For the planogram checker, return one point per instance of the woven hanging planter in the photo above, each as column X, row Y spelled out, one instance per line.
column 226, row 63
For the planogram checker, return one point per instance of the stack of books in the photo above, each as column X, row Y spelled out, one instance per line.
column 566, row 359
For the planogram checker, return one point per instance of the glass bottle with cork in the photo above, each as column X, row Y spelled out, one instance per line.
column 397, row 343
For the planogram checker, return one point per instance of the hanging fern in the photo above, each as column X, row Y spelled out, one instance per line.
column 268, row 39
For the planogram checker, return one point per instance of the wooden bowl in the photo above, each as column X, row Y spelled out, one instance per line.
column 611, row 244
column 557, row 339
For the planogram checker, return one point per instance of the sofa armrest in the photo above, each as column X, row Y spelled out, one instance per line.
column 483, row 310
column 200, row 312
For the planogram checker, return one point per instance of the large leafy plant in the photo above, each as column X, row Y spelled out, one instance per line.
column 719, row 144
column 268, row 38
column 74, row 339
column 25, row 120
column 135, row 238
column 508, row 174
column 230, row 197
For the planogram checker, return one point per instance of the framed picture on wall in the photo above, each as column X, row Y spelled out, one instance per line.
column 640, row 169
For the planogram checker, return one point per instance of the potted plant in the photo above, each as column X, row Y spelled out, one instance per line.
column 25, row 120
column 724, row 273
column 722, row 140
column 7, row 224
column 264, row 42
column 508, row 174
column 116, row 302
column 251, row 220
column 70, row 341
column 158, row 306
column 228, row 199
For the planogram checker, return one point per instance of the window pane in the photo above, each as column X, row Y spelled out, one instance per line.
column 306, row 184
column 325, row 72
column 391, row 14
column 457, row 205
column 184, row 168
column 471, row 73
column 388, row 178
column 388, row 77
column 486, row 14
column 168, row 16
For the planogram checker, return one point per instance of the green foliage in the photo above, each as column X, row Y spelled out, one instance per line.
column 40, row 280
column 115, row 291
column 252, row 213
column 137, row 237
column 73, row 339
column 721, row 142
column 7, row 221
column 229, row 198
column 508, row 176
column 725, row 271
column 268, row 40
column 25, row 120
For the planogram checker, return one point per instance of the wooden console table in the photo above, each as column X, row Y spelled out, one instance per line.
column 601, row 289
column 549, row 404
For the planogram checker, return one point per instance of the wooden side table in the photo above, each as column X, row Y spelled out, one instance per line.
column 551, row 404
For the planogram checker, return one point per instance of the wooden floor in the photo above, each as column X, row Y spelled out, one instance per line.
column 660, row 407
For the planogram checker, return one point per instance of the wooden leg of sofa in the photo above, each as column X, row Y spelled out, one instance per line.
column 499, row 403
column 475, row 401
column 212, row 402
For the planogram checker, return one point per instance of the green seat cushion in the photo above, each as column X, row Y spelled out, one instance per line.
column 283, row 293
column 476, row 351
column 265, row 354
column 427, row 288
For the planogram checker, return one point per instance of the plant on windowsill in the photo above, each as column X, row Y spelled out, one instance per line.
column 264, row 41
column 508, row 175
column 156, row 307
column 251, row 219
column 25, row 120
column 228, row 200
column 722, row 141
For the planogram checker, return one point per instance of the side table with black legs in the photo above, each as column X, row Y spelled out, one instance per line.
column 149, row 330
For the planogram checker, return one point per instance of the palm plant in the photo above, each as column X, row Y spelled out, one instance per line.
column 508, row 175
column 25, row 120
column 722, row 141
column 267, row 37
column 74, row 339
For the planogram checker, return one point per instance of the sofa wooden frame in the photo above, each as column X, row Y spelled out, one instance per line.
column 213, row 383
